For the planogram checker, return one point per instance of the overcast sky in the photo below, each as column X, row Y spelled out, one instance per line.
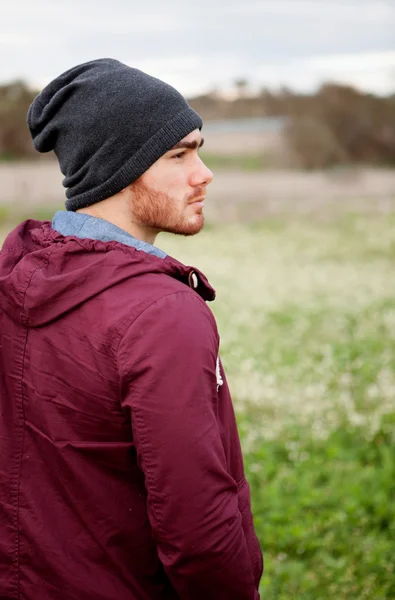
column 199, row 45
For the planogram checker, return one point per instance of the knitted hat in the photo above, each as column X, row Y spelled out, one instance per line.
column 107, row 123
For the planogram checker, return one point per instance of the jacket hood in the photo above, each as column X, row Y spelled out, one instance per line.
column 44, row 274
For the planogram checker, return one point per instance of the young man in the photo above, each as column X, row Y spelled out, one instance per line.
column 121, row 473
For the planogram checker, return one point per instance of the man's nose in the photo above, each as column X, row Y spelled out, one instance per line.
column 201, row 175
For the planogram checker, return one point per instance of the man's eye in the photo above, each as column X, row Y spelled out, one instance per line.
column 179, row 155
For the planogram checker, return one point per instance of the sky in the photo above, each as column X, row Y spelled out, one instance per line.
column 206, row 45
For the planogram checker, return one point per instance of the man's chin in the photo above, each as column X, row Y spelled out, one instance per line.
column 187, row 229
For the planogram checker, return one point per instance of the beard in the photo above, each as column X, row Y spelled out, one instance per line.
column 161, row 212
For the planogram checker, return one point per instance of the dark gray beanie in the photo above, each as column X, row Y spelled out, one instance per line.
column 107, row 123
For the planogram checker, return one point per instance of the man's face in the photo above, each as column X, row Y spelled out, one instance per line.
column 169, row 196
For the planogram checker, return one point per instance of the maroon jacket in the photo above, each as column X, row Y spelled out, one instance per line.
column 121, row 474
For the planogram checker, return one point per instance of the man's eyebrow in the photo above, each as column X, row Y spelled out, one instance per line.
column 190, row 145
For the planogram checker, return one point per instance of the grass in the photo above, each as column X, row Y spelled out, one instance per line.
column 10, row 215
column 306, row 314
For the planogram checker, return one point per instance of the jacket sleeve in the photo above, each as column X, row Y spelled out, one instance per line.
column 167, row 362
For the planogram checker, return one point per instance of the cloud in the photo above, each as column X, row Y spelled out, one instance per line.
column 370, row 71
column 356, row 61
column 25, row 9
column 174, row 64
column 175, row 70
column 311, row 9
column 113, row 25
column 196, row 47
column 15, row 39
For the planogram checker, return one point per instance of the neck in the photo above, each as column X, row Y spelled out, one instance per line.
column 123, row 220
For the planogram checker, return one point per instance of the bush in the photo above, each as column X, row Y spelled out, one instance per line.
column 340, row 124
column 312, row 144
column 15, row 140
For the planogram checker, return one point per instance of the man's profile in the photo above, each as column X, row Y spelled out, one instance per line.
column 121, row 472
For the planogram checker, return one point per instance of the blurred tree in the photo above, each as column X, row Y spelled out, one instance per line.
column 15, row 140
column 337, row 124
column 312, row 144
column 241, row 85
column 363, row 124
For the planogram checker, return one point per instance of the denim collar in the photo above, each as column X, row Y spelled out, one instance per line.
column 81, row 225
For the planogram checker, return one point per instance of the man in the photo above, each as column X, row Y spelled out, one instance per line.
column 121, row 474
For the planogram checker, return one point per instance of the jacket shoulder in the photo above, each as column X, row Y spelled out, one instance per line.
column 154, row 296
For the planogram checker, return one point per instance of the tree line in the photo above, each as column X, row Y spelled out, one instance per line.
column 336, row 125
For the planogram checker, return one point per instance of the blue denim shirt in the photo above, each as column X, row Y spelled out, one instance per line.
column 84, row 226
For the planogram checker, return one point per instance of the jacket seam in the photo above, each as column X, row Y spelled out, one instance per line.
column 134, row 319
column 21, row 411
column 148, row 473
column 130, row 323
column 46, row 262
column 21, row 439
column 155, row 502
column 140, row 314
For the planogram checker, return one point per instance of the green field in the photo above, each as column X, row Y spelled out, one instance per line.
column 306, row 313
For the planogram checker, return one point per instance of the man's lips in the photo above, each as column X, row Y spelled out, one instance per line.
column 199, row 200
